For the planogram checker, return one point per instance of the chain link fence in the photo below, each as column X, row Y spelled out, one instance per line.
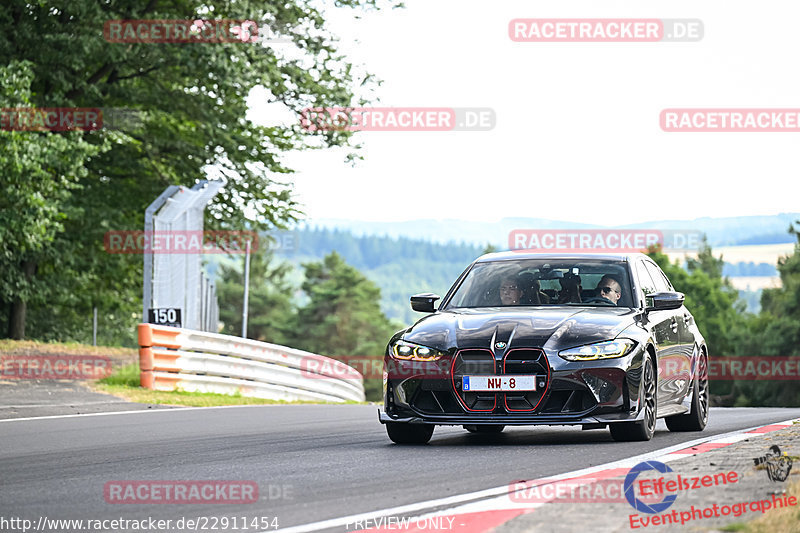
column 177, row 280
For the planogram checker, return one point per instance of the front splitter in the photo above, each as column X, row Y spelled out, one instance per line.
column 515, row 421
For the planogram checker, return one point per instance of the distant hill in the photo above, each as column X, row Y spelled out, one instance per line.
column 400, row 267
column 775, row 238
column 403, row 266
column 726, row 231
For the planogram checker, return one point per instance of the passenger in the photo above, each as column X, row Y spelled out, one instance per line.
column 531, row 295
column 609, row 289
column 570, row 289
column 510, row 293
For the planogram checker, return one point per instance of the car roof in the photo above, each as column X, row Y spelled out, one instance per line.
column 516, row 255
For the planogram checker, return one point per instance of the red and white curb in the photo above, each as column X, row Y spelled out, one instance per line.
column 482, row 511
column 507, row 504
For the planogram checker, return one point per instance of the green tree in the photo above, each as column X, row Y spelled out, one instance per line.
column 192, row 103
column 342, row 318
column 39, row 173
column 711, row 298
column 270, row 309
column 785, row 301
column 730, row 332
column 775, row 332
column 713, row 303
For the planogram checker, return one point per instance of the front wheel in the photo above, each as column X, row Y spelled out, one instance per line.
column 697, row 418
column 405, row 433
column 645, row 428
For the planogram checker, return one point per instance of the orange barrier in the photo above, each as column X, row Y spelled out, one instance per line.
column 152, row 335
column 182, row 359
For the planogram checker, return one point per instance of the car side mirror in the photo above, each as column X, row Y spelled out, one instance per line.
column 660, row 301
column 424, row 303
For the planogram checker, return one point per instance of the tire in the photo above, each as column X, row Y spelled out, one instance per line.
column 485, row 429
column 404, row 433
column 641, row 430
column 697, row 418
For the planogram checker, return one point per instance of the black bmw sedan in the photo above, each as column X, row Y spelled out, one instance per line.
column 530, row 339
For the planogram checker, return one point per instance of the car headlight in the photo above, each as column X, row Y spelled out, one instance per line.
column 414, row 352
column 598, row 350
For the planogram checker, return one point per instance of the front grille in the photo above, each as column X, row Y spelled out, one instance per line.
column 474, row 362
column 526, row 361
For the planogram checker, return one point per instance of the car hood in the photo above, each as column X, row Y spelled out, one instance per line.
column 551, row 328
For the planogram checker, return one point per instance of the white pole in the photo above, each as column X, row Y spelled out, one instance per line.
column 246, row 289
column 94, row 328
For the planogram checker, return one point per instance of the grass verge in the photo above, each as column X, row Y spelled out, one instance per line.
column 783, row 519
column 116, row 354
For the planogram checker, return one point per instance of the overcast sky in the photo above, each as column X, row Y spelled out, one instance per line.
column 577, row 135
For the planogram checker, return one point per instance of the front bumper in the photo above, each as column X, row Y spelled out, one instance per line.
column 568, row 393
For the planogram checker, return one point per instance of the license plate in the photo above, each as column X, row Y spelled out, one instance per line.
column 497, row 383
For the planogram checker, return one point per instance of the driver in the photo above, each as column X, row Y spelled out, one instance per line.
column 609, row 289
column 510, row 293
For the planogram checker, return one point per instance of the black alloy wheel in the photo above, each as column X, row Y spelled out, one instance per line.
column 697, row 418
column 641, row 430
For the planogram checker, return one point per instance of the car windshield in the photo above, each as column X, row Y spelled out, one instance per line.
column 575, row 282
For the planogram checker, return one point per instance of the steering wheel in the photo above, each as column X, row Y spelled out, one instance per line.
column 600, row 300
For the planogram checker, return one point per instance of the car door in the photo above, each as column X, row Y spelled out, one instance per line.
column 667, row 339
column 685, row 322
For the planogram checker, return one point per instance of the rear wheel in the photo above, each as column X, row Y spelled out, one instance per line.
column 492, row 428
column 697, row 418
column 405, row 433
column 645, row 428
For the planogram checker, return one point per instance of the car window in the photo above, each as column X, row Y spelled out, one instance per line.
column 645, row 281
column 658, row 277
column 666, row 279
column 539, row 282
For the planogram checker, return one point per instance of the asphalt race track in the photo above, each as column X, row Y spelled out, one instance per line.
column 311, row 462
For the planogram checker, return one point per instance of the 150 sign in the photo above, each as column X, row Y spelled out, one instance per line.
column 166, row 316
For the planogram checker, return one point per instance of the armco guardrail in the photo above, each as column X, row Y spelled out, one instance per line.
column 182, row 359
